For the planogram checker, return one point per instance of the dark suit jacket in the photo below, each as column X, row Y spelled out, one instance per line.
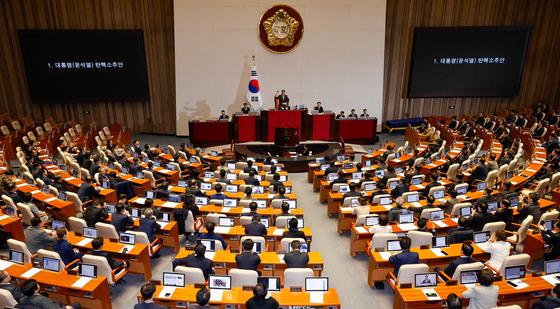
column 479, row 220
column 161, row 194
column 215, row 236
column 255, row 229
column 249, row 169
column 480, row 172
column 247, row 260
column 296, row 259
column 112, row 263
column 66, row 251
column 403, row 258
column 86, row 192
column 293, row 234
column 121, row 222
column 267, row 303
column 252, row 181
column 460, row 234
column 150, row 227
column 148, row 306
column 199, row 262
column 450, row 269
column 547, row 303
column 13, row 289
column 94, row 214
column 38, row 301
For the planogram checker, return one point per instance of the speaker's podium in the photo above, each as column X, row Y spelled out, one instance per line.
column 272, row 119
column 286, row 137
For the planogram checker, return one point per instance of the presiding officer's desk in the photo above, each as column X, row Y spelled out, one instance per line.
column 139, row 256
column 379, row 265
column 94, row 294
column 233, row 235
column 237, row 297
column 272, row 264
column 508, row 295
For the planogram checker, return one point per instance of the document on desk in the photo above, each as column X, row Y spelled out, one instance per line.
column 80, row 283
column 2, row 217
column 35, row 192
column 30, row 273
column 216, row 295
column 164, row 170
column 209, row 255
column 530, row 170
column 440, row 223
column 21, row 185
column 388, row 207
column 5, row 264
column 346, row 209
column 316, row 297
column 50, row 199
column 227, row 209
column 162, row 224
column 551, row 279
column 416, row 204
column 170, row 204
column 278, row 232
column 222, row 229
column 420, row 186
column 245, row 210
column 166, row 292
column 140, row 200
column 437, row 252
column 519, row 284
column 84, row 242
column 385, row 255
column 281, row 258
column 70, row 178
column 361, row 230
column 407, row 226
column 431, row 294
column 456, row 220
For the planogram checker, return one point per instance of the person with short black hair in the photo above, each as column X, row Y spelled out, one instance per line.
column 465, row 258
column 505, row 214
column 218, row 195
column 462, row 232
column 96, row 213
column 252, row 180
column 405, row 257
column 248, row 259
column 121, row 219
column 148, row 224
column 255, row 228
column 197, row 260
column 97, row 245
column 383, row 226
column 223, row 115
column 223, row 178
column 481, row 217
column 67, row 252
column 550, row 302
column 485, row 295
column 454, row 302
column 210, row 226
column 6, row 285
column 202, row 300
column 296, row 258
column 259, row 299
column 245, row 109
column 36, row 237
column 285, row 209
column 87, row 191
column 281, row 193
column 147, row 291
column 250, row 167
column 318, row 108
column 32, row 299
column 531, row 207
column 293, row 231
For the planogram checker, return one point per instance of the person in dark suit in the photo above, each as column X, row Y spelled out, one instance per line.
column 245, row 109
column 12, row 193
column 276, row 183
column 402, row 187
column 481, row 170
column 196, row 260
column 552, row 239
column 550, row 302
column 87, row 191
column 250, row 167
column 247, row 259
column 340, row 115
column 462, row 232
column 213, row 236
column 147, row 291
column 218, row 195
column 6, row 285
column 339, row 179
column 318, row 108
column 223, row 115
column 283, row 100
column 453, row 124
column 223, row 178
column 434, row 183
column 255, row 228
column 405, row 257
column 252, row 210
column 96, row 244
column 96, row 213
column 331, row 169
column 66, row 251
column 465, row 258
column 161, row 192
column 293, row 231
column 121, row 219
column 531, row 206
column 148, row 224
column 32, row 299
column 481, row 217
column 251, row 180
column 259, row 299
column 296, row 258
column 94, row 168
column 505, row 214
column 354, row 191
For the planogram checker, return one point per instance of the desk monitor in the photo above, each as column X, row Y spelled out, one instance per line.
column 258, row 190
column 331, row 177
column 416, row 181
column 200, row 200
column 428, row 160
column 288, row 190
column 105, row 184
column 205, row 186
column 552, row 267
column 170, row 167
column 157, row 163
column 127, row 239
column 111, row 208
column 464, row 166
column 316, row 284
column 470, row 276
column 150, row 194
column 300, row 223
column 348, row 165
column 514, row 202
column 393, row 184
column 548, row 224
column 163, row 216
column 46, row 189
column 340, row 158
column 440, row 242
column 87, row 270
column 372, row 220
column 379, row 173
column 480, row 237
column 214, row 153
column 357, row 175
column 16, row 257
column 437, row 215
column 208, row 174
column 368, row 163
column 425, row 280
column 124, row 170
column 182, row 184
column 57, row 224
column 257, row 247
column 509, row 174
column 344, row 188
column 515, row 272
column 226, row 221
column 324, row 167
column 62, row 195
column 260, row 203
column 10, row 211
column 406, row 218
column 219, row 282
column 209, row 244
column 231, row 166
column 369, row 187
column 75, row 173
column 90, row 232
column 492, row 206
column 319, row 160
column 438, row 194
column 231, row 176
column 466, row 211
column 291, row 203
column 413, row 198
column 174, row 198
column 461, row 190
column 271, row 284
column 139, row 175
column 231, row 188
column 173, row 279
column 265, row 222
column 51, row 264
column 230, row 202
column 481, row 186
column 385, row 201
column 136, row 213
column 394, row 245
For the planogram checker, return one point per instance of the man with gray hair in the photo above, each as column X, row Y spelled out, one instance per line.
column 398, row 210
column 148, row 224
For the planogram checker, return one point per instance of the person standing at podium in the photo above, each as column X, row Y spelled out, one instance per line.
column 245, row 109
column 282, row 101
column 319, row 108
column 223, row 115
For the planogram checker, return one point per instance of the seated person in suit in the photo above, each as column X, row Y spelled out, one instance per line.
column 318, row 108
column 340, row 115
column 260, row 299
column 276, row 183
column 505, row 214
column 550, row 302
column 461, row 233
column 434, row 183
column 32, row 299
column 398, row 210
column 12, row 193
column 223, row 178
column 296, row 258
column 161, row 192
column 332, row 169
column 28, row 200
column 147, row 291
column 465, row 258
column 353, row 114
column 498, row 247
column 249, row 167
column 196, row 260
column 255, row 228
column 121, row 219
column 362, row 209
column 402, row 187
column 87, row 191
column 293, row 231
column 252, row 210
column 405, row 257
column 96, row 213
column 454, row 302
column 211, row 235
column 481, row 170
column 6, row 285
column 36, row 237
column 251, row 180
column 354, row 191
column 340, row 178
column 66, row 251
column 97, row 245
column 481, row 217
column 202, row 300
column 218, row 195
column 148, row 224
column 223, row 115
column 281, row 193
column 285, row 209
column 247, row 259
column 383, row 226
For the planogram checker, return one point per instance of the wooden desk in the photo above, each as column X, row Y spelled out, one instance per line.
column 239, row 211
column 158, row 203
column 109, row 195
column 238, row 297
column 95, row 294
column 13, row 225
column 271, row 263
column 62, row 209
column 273, row 237
column 139, row 257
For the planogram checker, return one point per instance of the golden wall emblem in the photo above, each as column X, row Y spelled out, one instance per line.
column 281, row 28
